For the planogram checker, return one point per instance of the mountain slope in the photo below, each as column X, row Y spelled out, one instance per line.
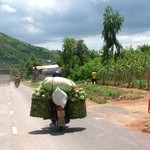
column 13, row 51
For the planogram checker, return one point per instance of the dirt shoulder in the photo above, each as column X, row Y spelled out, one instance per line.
column 129, row 110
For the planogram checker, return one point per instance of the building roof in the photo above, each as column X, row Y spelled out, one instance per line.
column 47, row 67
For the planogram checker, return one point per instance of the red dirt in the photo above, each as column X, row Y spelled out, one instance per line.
column 138, row 118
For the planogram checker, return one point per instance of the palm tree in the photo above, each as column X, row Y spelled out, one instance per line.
column 112, row 25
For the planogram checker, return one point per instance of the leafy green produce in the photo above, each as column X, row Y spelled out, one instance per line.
column 42, row 104
column 76, row 109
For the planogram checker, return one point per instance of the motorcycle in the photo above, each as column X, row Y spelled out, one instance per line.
column 59, row 117
column 16, row 84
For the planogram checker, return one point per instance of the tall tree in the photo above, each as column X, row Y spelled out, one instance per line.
column 67, row 55
column 112, row 24
column 81, row 52
column 74, row 54
column 31, row 62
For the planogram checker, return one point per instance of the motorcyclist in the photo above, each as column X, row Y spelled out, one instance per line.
column 17, row 81
column 57, row 74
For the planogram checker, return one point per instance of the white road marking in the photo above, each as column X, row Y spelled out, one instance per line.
column 96, row 118
column 9, row 103
column 14, row 130
column 11, row 112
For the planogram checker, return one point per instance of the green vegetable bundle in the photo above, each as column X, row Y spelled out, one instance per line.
column 76, row 109
column 42, row 105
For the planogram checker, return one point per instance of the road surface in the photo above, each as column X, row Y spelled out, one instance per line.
column 19, row 131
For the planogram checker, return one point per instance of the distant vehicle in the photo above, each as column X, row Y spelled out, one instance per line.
column 4, row 76
column 17, row 81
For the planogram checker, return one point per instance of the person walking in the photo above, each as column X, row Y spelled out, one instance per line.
column 94, row 77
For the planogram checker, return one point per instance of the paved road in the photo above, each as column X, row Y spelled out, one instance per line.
column 19, row 131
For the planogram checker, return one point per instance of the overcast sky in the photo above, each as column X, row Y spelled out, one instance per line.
column 46, row 23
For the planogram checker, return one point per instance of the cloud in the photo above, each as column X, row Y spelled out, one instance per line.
column 42, row 5
column 48, row 22
column 55, row 44
column 33, row 30
column 28, row 19
column 8, row 9
column 135, row 40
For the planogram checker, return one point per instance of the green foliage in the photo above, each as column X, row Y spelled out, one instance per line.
column 101, row 94
column 142, row 84
column 139, row 84
column 35, row 84
column 144, row 48
column 112, row 25
column 77, row 62
column 16, row 54
column 81, row 52
column 31, row 62
column 75, row 54
column 134, row 83
column 84, row 72
column 135, row 66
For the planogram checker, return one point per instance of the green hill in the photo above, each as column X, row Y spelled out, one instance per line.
column 13, row 51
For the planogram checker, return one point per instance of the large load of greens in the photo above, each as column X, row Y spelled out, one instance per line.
column 42, row 104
